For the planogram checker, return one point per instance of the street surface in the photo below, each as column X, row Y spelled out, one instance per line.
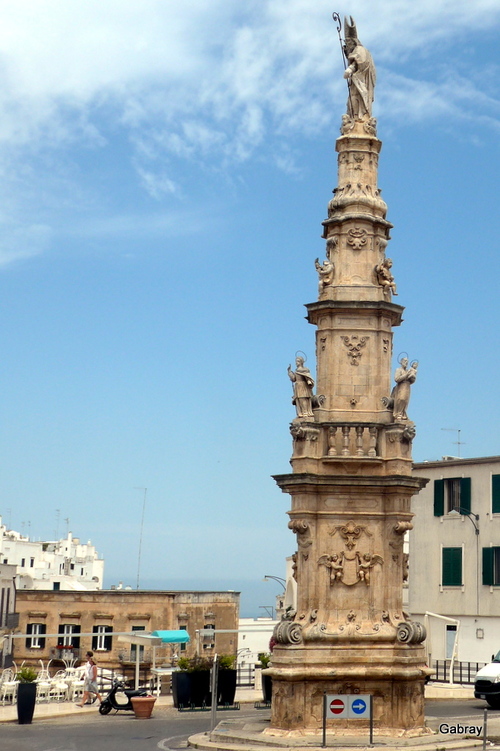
column 170, row 729
column 90, row 731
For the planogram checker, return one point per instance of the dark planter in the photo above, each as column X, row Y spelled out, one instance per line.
column 191, row 689
column 226, row 686
column 267, row 687
column 181, row 689
column 200, row 688
column 26, row 697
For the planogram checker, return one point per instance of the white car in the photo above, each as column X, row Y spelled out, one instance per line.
column 487, row 683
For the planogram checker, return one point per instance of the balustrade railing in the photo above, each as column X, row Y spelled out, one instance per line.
column 353, row 440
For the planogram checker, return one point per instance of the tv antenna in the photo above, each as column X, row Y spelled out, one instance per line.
column 458, row 442
column 140, row 536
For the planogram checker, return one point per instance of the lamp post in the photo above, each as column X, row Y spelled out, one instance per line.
column 276, row 579
column 461, row 511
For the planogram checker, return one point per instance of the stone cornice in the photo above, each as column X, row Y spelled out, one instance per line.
column 366, row 306
column 306, row 479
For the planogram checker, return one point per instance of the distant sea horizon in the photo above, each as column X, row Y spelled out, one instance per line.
column 257, row 597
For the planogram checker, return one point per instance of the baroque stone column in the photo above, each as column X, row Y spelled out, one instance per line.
column 351, row 482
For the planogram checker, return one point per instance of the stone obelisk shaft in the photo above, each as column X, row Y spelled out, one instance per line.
column 351, row 482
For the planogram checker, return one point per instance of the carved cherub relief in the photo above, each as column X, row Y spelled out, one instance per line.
column 365, row 563
column 335, row 564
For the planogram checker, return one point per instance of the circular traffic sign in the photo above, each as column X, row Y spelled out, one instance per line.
column 337, row 706
column 359, row 706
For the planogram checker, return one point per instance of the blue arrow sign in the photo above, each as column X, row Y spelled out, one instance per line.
column 358, row 706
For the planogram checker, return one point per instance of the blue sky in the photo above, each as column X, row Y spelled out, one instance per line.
column 164, row 172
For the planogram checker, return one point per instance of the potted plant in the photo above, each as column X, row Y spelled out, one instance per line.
column 267, row 681
column 226, row 685
column 181, row 683
column 191, row 683
column 26, row 695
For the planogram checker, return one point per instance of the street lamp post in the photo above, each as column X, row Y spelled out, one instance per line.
column 461, row 511
column 276, row 579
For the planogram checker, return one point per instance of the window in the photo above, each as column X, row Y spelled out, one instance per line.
column 35, row 641
column 23, row 562
column 66, row 635
column 133, row 647
column 451, row 575
column 495, row 494
column 183, row 644
column 101, row 642
column 491, row 566
column 452, row 494
column 32, row 562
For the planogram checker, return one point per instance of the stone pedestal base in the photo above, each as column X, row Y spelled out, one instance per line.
column 393, row 676
column 398, row 709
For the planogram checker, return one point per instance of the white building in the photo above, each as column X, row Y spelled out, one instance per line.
column 66, row 564
column 454, row 560
column 254, row 635
column 8, row 616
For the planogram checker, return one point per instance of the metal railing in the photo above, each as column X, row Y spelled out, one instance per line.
column 463, row 672
column 245, row 675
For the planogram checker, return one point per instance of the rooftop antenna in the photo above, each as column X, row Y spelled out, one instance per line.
column 458, row 442
column 56, row 532
column 67, row 526
column 140, row 535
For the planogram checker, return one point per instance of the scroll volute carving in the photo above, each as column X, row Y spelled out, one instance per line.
column 301, row 528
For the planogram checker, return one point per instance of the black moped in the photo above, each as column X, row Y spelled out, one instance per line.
column 119, row 698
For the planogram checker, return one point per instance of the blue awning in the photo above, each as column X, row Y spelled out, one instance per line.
column 172, row 637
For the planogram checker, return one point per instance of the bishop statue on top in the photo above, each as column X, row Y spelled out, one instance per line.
column 360, row 74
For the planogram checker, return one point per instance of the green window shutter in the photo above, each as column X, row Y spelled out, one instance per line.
column 75, row 640
column 495, row 494
column 29, row 630
column 452, row 567
column 108, row 639
column 488, row 566
column 465, row 494
column 43, row 630
column 438, row 497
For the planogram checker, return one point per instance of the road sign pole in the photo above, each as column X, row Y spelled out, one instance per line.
column 324, row 719
column 371, row 720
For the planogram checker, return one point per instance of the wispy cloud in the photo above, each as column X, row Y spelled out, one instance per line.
column 212, row 82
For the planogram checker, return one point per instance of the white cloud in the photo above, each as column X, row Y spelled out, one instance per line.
column 206, row 60
column 212, row 81
column 20, row 242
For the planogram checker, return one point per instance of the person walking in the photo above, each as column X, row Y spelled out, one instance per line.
column 90, row 680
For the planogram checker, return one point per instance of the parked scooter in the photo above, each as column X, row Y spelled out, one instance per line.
column 119, row 698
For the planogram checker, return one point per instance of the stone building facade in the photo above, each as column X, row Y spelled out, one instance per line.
column 63, row 625
column 454, row 564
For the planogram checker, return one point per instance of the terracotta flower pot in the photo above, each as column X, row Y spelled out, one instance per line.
column 143, row 706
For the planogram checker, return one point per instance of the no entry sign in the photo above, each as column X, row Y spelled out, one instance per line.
column 337, row 707
column 351, row 706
